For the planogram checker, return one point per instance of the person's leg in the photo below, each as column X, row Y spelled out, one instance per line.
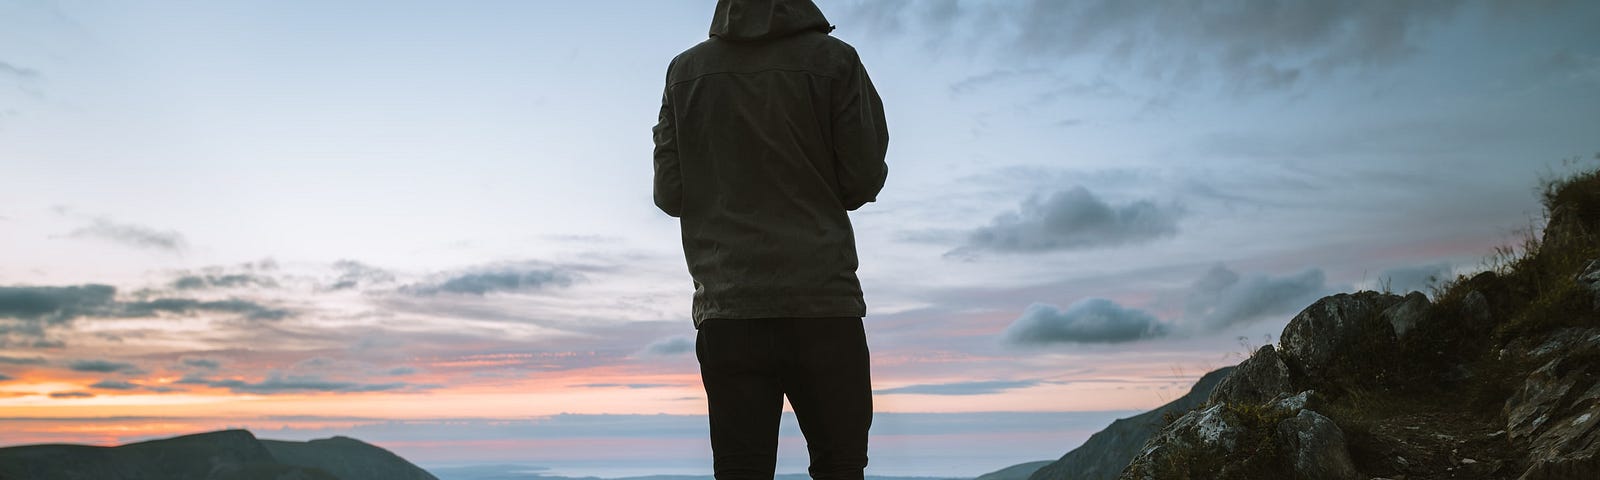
column 743, row 396
column 829, row 384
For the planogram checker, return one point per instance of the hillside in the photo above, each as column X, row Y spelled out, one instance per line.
column 1106, row 452
column 1495, row 375
column 346, row 458
column 1019, row 471
column 221, row 455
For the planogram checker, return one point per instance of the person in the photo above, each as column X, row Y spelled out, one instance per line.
column 769, row 133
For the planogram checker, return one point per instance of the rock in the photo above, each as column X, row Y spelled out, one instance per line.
column 1292, row 405
column 1256, row 380
column 1555, row 414
column 1408, row 313
column 1589, row 279
column 1316, row 447
column 1209, row 433
column 1338, row 326
column 1475, row 310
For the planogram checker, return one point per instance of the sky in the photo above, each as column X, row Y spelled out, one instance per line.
column 428, row 224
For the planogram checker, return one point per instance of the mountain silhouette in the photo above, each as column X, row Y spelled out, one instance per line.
column 220, row 455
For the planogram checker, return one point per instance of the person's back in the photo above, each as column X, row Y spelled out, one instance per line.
column 769, row 133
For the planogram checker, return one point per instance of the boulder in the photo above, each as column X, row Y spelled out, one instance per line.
column 1246, row 441
column 1315, row 447
column 1475, row 310
column 1336, row 327
column 1555, row 413
column 1256, row 380
column 1407, row 314
column 1292, row 404
column 1181, row 448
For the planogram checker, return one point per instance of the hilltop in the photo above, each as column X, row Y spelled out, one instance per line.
column 220, row 455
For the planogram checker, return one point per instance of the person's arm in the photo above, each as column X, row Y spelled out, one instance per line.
column 861, row 140
column 669, row 177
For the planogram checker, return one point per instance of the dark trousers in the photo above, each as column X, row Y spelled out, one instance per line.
column 821, row 364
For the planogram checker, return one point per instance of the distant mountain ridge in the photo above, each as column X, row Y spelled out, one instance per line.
column 1019, row 471
column 220, row 455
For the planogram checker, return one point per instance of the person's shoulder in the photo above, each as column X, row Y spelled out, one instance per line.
column 835, row 42
column 695, row 50
column 831, row 55
column 687, row 57
column 827, row 43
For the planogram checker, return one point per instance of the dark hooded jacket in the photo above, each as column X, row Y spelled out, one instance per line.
column 770, row 131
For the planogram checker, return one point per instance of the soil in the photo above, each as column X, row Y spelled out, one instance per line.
column 1436, row 443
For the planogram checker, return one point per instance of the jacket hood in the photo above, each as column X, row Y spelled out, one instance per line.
column 748, row 20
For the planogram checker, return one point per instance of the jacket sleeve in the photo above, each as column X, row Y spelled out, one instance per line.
column 669, row 177
column 861, row 140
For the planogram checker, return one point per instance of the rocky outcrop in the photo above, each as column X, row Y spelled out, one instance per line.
column 1497, row 376
column 1555, row 413
column 1340, row 326
column 221, row 455
column 1406, row 315
column 1181, row 450
column 1253, row 427
column 1315, row 447
column 1108, row 451
column 1258, row 379
column 1241, row 440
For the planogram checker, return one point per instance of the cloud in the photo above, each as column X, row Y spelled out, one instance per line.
column 1074, row 219
column 4, row 377
column 353, row 274
column 1247, row 45
column 278, row 383
column 1219, row 300
column 103, row 366
column 199, row 363
column 249, row 309
column 14, row 71
column 498, row 279
column 1240, row 47
column 26, row 312
column 54, row 304
column 400, row 371
column 1091, row 320
column 21, row 360
column 29, row 313
column 1222, row 298
column 1413, row 278
column 114, row 385
column 674, row 345
column 959, row 388
column 71, row 395
column 624, row 385
column 199, row 282
column 132, row 235
column 120, row 385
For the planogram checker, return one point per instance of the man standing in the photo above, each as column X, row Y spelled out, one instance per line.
column 770, row 132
